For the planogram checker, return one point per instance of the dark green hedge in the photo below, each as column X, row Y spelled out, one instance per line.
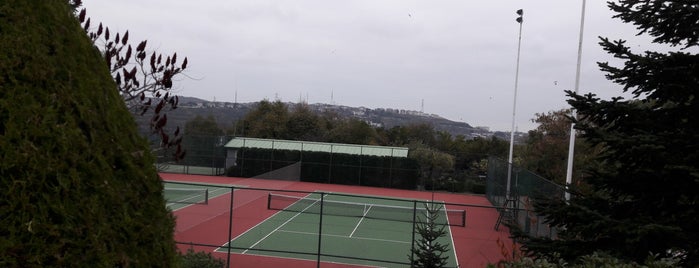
column 324, row 167
column 77, row 183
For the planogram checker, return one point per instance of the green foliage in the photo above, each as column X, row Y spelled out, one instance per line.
column 439, row 153
column 643, row 188
column 428, row 252
column 432, row 163
column 78, row 186
column 200, row 126
column 594, row 260
column 546, row 150
column 305, row 125
column 352, row 131
column 199, row 259
column 418, row 133
column 268, row 121
column 146, row 85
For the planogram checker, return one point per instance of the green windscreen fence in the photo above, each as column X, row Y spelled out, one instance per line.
column 328, row 167
column 204, row 155
column 525, row 186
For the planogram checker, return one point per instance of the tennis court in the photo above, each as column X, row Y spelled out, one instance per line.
column 355, row 230
column 274, row 223
column 180, row 195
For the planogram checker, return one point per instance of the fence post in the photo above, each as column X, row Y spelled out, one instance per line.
column 320, row 229
column 230, row 229
column 412, row 246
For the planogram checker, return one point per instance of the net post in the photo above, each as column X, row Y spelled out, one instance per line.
column 463, row 218
column 230, row 229
column 269, row 201
column 206, row 196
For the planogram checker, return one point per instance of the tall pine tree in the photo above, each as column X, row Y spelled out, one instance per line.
column 644, row 187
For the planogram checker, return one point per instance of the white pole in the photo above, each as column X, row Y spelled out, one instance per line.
column 514, row 105
column 571, row 145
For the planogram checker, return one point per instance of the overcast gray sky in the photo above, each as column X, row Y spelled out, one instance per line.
column 458, row 56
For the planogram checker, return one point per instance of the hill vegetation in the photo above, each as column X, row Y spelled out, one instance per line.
column 227, row 114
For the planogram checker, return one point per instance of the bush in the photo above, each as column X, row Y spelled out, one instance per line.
column 199, row 259
column 77, row 182
column 597, row 260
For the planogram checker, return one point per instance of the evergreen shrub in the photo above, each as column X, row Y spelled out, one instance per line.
column 77, row 182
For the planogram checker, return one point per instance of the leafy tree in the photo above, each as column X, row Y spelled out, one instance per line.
column 144, row 82
column 643, row 194
column 404, row 135
column 268, row 120
column 428, row 252
column 469, row 154
column 546, row 150
column 77, row 182
column 305, row 125
column 443, row 141
column 353, row 131
column 433, row 163
column 203, row 126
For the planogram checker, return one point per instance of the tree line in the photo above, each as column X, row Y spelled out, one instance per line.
column 442, row 157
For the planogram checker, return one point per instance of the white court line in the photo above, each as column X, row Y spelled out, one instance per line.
column 360, row 221
column 250, row 229
column 451, row 236
column 344, row 236
column 211, row 196
column 218, row 187
column 280, row 226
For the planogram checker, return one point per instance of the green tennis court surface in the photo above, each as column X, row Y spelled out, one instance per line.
column 182, row 195
column 355, row 230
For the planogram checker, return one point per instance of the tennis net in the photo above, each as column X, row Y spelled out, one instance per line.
column 373, row 211
column 186, row 196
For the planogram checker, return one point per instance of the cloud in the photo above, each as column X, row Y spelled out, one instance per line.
column 457, row 56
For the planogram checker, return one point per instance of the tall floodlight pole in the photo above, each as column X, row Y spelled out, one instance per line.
column 514, row 104
column 571, row 145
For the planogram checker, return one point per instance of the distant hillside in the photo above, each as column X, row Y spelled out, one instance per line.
column 227, row 113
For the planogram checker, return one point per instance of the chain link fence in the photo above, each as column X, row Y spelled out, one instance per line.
column 525, row 186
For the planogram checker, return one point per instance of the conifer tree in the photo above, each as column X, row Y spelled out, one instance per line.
column 428, row 252
column 78, row 187
column 643, row 197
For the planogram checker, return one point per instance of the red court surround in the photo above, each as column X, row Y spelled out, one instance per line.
column 476, row 244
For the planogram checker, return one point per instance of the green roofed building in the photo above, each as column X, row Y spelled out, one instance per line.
column 320, row 162
column 310, row 146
